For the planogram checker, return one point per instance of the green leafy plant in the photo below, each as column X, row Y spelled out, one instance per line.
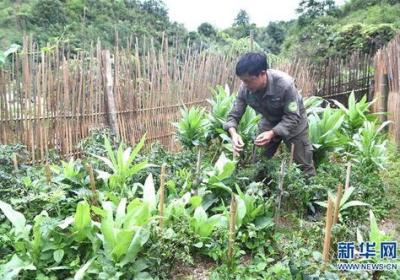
column 221, row 103
column 356, row 113
column 313, row 104
column 252, row 209
column 344, row 202
column 69, row 172
column 248, row 125
column 203, row 225
column 220, row 173
column 82, row 225
column 370, row 147
column 192, row 127
column 325, row 134
column 124, row 234
column 36, row 248
column 121, row 162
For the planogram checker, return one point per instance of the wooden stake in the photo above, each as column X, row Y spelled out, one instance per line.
column 328, row 230
column 348, row 172
column 15, row 161
column 198, row 164
column 291, row 154
column 232, row 223
column 281, row 181
column 89, row 169
column 111, row 108
column 162, row 196
column 47, row 172
column 339, row 195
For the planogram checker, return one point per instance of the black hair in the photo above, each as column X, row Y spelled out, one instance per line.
column 251, row 63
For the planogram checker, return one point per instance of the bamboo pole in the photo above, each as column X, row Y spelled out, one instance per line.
column 162, row 195
column 111, row 107
column 232, row 223
column 47, row 173
column 291, row 154
column 328, row 230
column 15, row 162
column 89, row 169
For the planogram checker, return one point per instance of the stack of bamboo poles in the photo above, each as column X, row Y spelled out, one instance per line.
column 387, row 85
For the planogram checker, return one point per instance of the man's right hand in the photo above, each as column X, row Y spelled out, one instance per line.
column 237, row 143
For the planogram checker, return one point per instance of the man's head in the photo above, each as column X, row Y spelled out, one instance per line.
column 252, row 70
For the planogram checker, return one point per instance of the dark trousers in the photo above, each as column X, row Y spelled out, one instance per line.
column 303, row 155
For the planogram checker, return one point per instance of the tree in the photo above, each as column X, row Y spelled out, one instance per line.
column 206, row 29
column 272, row 36
column 48, row 12
column 309, row 10
column 242, row 19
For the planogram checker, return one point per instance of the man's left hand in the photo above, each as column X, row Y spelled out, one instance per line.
column 264, row 138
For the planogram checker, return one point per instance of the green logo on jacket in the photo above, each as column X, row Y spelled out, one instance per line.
column 292, row 106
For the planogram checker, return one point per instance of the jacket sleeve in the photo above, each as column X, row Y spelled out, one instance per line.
column 291, row 113
column 237, row 111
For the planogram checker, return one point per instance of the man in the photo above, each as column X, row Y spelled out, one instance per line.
column 272, row 94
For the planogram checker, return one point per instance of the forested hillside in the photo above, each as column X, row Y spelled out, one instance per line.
column 322, row 29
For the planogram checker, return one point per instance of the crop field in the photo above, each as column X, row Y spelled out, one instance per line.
column 143, row 212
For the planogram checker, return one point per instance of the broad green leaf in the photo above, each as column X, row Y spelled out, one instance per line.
column 353, row 203
column 196, row 201
column 106, row 161
column 10, row 270
column 149, row 193
column 37, row 240
column 220, row 185
column 140, row 238
column 263, row 222
column 80, row 274
column 138, row 214
column 120, row 213
column 346, row 196
column 58, row 255
column 124, row 238
column 241, row 210
column 107, row 228
column 16, row 218
column 375, row 235
column 138, row 167
column 322, row 203
column 137, row 148
column 200, row 215
column 82, row 216
column 110, row 153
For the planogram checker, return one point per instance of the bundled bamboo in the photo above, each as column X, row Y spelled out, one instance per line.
column 387, row 85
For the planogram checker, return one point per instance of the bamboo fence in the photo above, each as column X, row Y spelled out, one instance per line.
column 48, row 101
column 387, row 85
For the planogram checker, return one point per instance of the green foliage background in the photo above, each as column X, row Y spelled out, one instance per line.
column 321, row 28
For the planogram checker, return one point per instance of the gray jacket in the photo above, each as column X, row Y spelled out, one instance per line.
column 281, row 106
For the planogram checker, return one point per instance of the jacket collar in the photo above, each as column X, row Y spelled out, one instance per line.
column 270, row 81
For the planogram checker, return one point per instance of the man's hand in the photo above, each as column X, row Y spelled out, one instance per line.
column 237, row 143
column 264, row 138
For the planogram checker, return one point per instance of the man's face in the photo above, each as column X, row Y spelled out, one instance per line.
column 254, row 83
